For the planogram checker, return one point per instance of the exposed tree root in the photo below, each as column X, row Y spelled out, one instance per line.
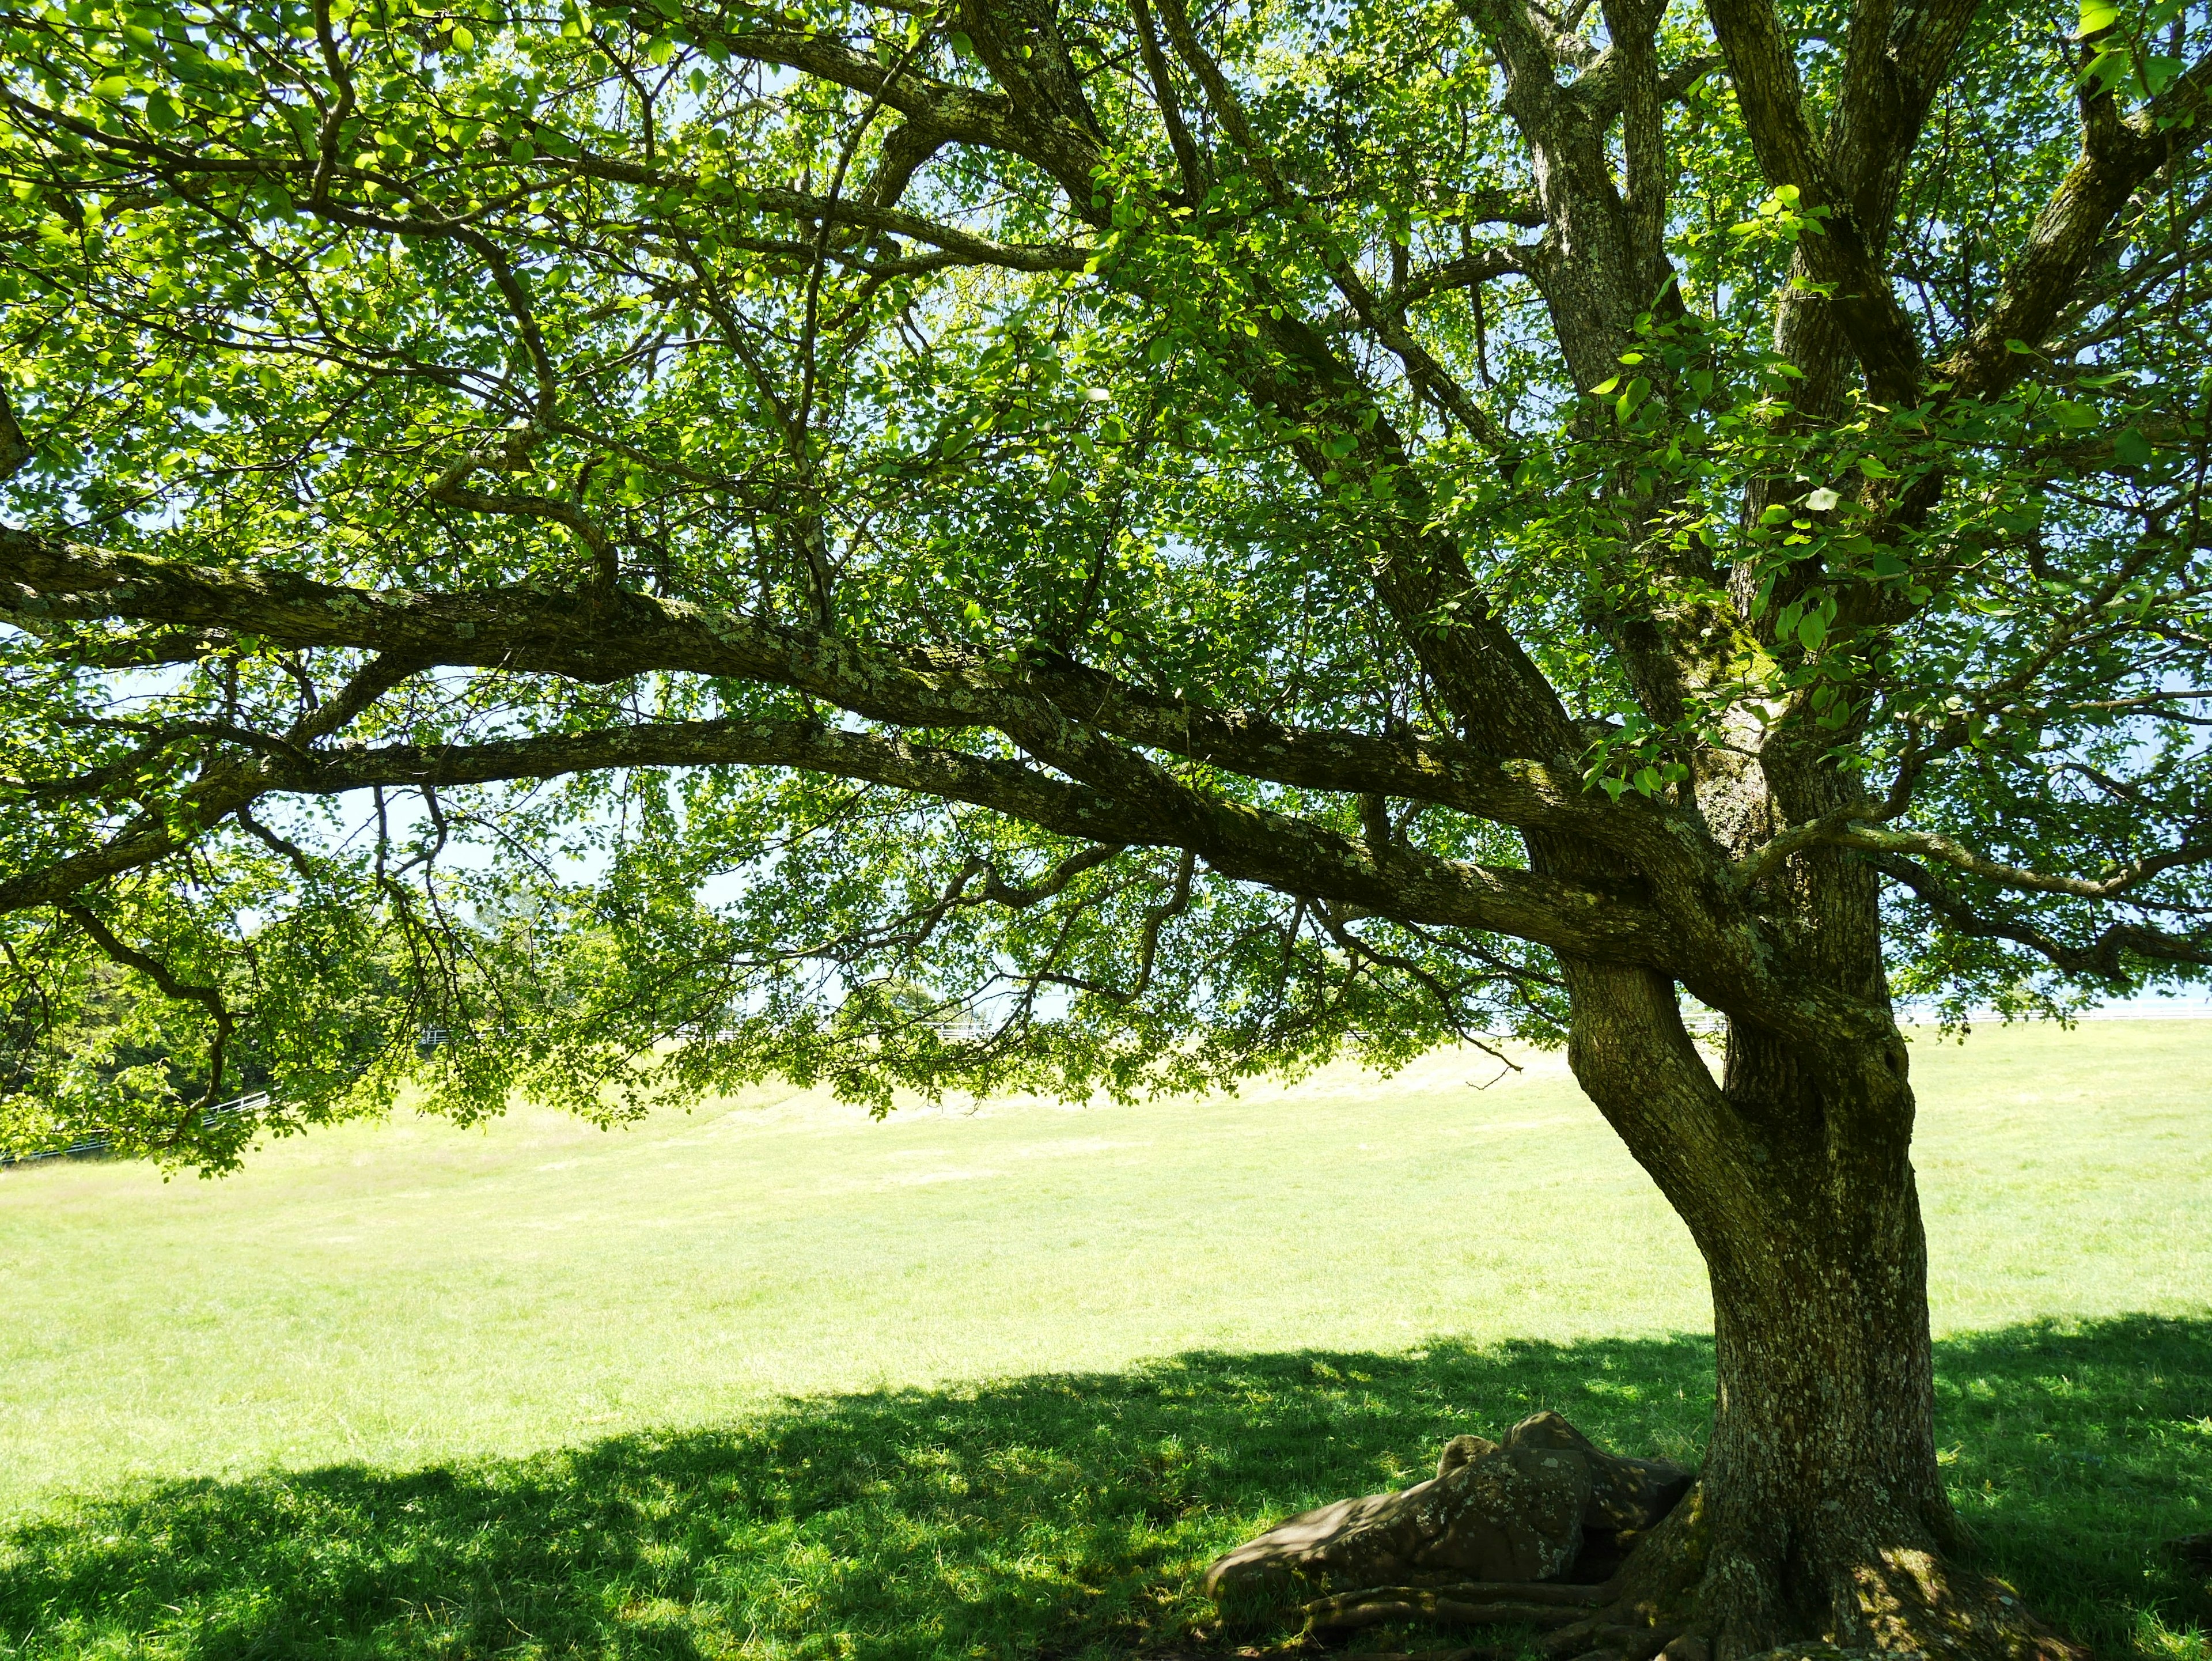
column 1464, row 1603
column 1678, row 1599
column 1624, row 1559
column 1666, row 1604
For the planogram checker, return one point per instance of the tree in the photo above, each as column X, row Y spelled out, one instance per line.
column 1100, row 547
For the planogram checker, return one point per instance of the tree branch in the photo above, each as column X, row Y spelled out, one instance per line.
column 1388, row 327
column 599, row 639
column 2102, row 957
column 1195, row 176
column 1275, row 850
column 1946, row 851
column 2117, row 159
column 1841, row 254
column 208, row 997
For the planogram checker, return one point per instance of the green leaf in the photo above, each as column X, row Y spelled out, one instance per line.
column 2097, row 17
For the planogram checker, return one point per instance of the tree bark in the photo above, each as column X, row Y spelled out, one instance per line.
column 1822, row 1467
column 1823, row 1514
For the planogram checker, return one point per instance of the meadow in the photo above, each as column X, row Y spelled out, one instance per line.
column 775, row 1380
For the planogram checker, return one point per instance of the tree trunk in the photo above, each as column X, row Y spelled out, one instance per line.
column 1821, row 1471
column 1823, row 1516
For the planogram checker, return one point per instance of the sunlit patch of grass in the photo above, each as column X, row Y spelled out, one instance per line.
column 737, row 1387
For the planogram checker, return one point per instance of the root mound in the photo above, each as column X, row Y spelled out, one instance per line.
column 1546, row 1512
column 1613, row 1556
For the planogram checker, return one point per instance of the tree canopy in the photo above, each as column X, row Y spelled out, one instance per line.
column 614, row 548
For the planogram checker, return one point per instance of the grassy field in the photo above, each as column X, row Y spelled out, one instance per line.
column 775, row 1381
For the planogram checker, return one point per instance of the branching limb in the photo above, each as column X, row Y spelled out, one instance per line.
column 47, row 580
column 151, row 650
column 1500, row 207
column 293, row 854
column 866, row 215
column 1358, row 951
column 1482, row 267
column 334, row 713
column 1156, row 917
column 450, row 488
column 1948, row 851
column 2118, row 157
column 1133, row 809
column 1248, row 844
column 905, row 151
column 208, row 998
column 2103, row 958
column 1388, row 327
column 1844, row 257
column 1196, row 177
column 912, row 931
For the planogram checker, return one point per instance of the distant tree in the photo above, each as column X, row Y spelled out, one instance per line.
column 675, row 543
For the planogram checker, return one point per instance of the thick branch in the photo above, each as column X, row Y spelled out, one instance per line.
column 1947, row 850
column 1388, row 326
column 1464, row 272
column 1274, row 849
column 2117, row 159
column 1249, row 844
column 1842, row 254
column 598, row 639
column 1188, row 161
column 2102, row 958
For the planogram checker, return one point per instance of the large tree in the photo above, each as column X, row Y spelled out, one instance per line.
column 608, row 549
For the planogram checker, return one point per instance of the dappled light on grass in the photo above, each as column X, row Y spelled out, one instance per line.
column 1060, row 1515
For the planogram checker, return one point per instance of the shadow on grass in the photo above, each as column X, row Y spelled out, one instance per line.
column 1055, row 1516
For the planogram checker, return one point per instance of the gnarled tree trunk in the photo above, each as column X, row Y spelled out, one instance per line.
column 1823, row 1514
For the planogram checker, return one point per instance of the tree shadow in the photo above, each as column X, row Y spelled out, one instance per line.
column 1054, row 1516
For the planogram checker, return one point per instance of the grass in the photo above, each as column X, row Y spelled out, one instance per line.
column 774, row 1382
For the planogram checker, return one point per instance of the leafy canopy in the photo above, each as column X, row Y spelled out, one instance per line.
column 611, row 549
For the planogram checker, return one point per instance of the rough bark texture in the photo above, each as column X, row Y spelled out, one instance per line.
column 1822, row 1513
column 1545, row 1505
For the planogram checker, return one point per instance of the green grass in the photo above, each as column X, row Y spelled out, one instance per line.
column 773, row 1381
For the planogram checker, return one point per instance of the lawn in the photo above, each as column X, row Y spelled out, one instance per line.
column 773, row 1380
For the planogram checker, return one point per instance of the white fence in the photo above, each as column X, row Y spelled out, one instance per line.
column 99, row 1142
